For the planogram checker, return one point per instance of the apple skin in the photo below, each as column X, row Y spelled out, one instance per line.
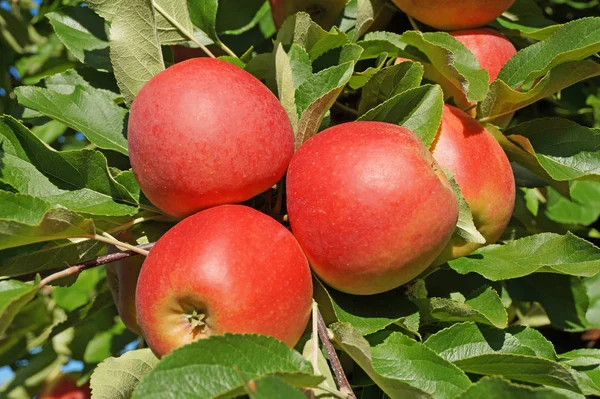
column 454, row 14
column 483, row 173
column 239, row 267
column 369, row 205
column 323, row 12
column 203, row 133
column 65, row 387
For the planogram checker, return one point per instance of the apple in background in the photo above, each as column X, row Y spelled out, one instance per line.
column 204, row 132
column 369, row 205
column 454, row 14
column 483, row 173
column 226, row 269
column 184, row 53
column 65, row 387
column 323, row 12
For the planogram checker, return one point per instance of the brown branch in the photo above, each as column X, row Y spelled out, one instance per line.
column 54, row 274
column 334, row 361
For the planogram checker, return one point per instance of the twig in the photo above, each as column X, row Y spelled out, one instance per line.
column 346, row 109
column 334, row 361
column 413, row 23
column 120, row 244
column 55, row 274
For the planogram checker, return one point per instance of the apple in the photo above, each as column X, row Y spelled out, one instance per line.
column 323, row 12
column 226, row 269
column 182, row 53
column 454, row 14
column 483, row 173
column 65, row 387
column 369, row 205
column 204, row 132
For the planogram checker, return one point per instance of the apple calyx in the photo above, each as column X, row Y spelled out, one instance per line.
column 198, row 322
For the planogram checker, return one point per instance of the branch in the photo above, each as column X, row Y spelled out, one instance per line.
column 55, row 274
column 334, row 361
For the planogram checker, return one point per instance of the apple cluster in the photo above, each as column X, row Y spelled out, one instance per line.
column 369, row 205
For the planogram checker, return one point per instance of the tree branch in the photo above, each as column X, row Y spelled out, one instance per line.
column 334, row 361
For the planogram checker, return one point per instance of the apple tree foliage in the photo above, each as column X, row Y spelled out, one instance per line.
column 504, row 322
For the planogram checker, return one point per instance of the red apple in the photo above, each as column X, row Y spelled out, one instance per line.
column 65, row 387
column 369, row 205
column 454, row 14
column 323, row 12
column 483, row 173
column 226, row 269
column 203, row 133
column 183, row 53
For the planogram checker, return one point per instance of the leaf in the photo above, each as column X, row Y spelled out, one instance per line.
column 217, row 364
column 446, row 54
column 77, row 180
column 285, row 82
column 501, row 99
column 498, row 388
column 366, row 13
column 203, row 14
column 135, row 51
column 371, row 313
column 526, row 18
column 573, row 41
column 271, row 387
column 517, row 353
column 419, row 110
column 584, row 207
column 592, row 286
column 322, row 369
column 13, row 296
column 388, row 82
column 116, row 378
column 465, row 227
column 177, row 10
column 566, row 304
column 401, row 366
column 26, row 220
column 546, row 252
column 84, row 33
column 563, row 148
column 85, row 109
column 581, row 357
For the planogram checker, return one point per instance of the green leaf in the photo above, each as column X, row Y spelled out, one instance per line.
column 85, row 109
column 446, row 54
column 135, row 51
column 367, row 12
column 371, row 313
column 465, row 227
column 26, row 220
column 84, row 33
column 546, row 252
column 526, row 18
column 584, row 207
column 566, row 304
column 285, row 79
column 217, row 364
column 419, row 110
column 498, row 388
column 13, row 296
column 592, row 286
column 563, row 148
column 176, row 10
column 388, row 82
column 573, row 41
column 271, row 387
column 322, row 369
column 204, row 15
column 581, row 357
column 116, row 378
column 501, row 99
column 77, row 180
column 80, row 292
column 517, row 353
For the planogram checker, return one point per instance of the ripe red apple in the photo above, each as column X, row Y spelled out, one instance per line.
column 323, row 12
column 65, row 387
column 226, row 269
column 454, row 14
column 369, row 205
column 483, row 173
column 205, row 132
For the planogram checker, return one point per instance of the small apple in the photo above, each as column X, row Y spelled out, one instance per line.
column 369, row 205
column 483, row 173
column 204, row 132
column 226, row 269
column 454, row 14
column 65, row 387
column 323, row 12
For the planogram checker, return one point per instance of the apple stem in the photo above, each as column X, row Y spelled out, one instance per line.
column 71, row 270
column 181, row 29
column 413, row 23
column 334, row 361
column 315, row 336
